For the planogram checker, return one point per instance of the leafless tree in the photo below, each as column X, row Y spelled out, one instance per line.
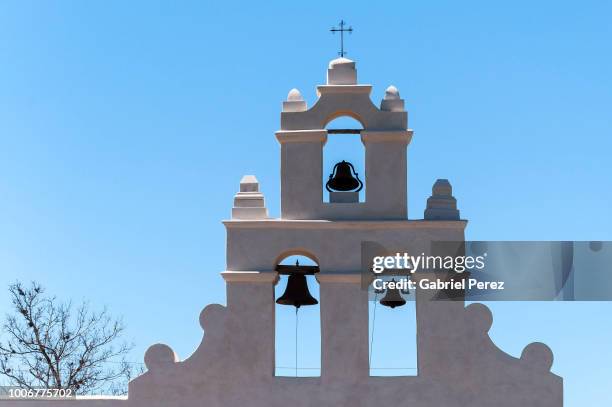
column 51, row 344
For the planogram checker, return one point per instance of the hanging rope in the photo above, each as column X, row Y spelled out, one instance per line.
column 373, row 324
column 296, row 325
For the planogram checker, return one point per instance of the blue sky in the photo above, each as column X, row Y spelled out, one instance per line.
column 126, row 127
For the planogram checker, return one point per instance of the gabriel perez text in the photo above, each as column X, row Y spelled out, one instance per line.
column 437, row 284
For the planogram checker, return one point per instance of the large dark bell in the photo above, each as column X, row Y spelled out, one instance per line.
column 393, row 298
column 297, row 293
column 342, row 179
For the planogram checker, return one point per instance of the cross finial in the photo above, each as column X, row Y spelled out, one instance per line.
column 341, row 30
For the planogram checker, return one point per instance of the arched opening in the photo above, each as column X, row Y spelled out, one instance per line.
column 392, row 333
column 346, row 118
column 298, row 329
column 344, row 144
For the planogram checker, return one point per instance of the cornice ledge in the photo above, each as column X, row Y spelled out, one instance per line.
column 380, row 136
column 344, row 224
column 301, row 136
column 250, row 276
column 338, row 277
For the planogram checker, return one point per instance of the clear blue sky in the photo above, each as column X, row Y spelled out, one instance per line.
column 125, row 129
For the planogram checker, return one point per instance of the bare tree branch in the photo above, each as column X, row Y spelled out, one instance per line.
column 50, row 344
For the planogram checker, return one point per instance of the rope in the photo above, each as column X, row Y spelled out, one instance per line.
column 373, row 324
column 296, row 341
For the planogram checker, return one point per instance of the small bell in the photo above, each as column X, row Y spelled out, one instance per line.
column 393, row 298
column 296, row 293
column 342, row 179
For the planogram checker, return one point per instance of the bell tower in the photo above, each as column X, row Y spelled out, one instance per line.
column 385, row 136
column 458, row 363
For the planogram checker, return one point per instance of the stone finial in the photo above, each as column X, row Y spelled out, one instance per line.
column 441, row 205
column 249, row 203
column 342, row 72
column 392, row 101
column 295, row 102
column 159, row 356
column 249, row 183
column 442, row 188
column 538, row 356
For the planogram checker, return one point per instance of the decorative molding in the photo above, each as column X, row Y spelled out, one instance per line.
column 338, row 277
column 301, row 136
column 326, row 224
column 380, row 136
column 328, row 89
column 250, row 276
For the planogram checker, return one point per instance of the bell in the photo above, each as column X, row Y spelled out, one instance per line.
column 297, row 293
column 342, row 179
column 393, row 298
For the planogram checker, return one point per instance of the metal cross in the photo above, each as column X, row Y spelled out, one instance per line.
column 341, row 30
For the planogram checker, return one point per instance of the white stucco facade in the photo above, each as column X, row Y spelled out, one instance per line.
column 458, row 364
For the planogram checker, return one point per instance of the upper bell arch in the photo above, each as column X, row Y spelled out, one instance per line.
column 296, row 251
column 344, row 100
column 384, row 134
column 342, row 96
column 343, row 113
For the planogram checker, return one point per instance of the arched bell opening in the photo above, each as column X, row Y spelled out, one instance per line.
column 344, row 161
column 349, row 118
column 297, row 317
column 392, row 328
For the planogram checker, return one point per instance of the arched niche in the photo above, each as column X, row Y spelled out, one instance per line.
column 344, row 143
column 392, row 336
column 287, row 255
column 344, row 114
column 303, row 324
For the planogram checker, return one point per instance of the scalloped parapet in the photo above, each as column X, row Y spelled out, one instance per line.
column 458, row 362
